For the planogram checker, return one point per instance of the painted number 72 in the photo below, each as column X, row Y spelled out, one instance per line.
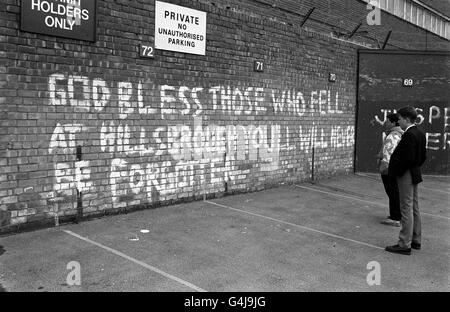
column 146, row 51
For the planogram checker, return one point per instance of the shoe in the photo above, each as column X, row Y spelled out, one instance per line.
column 398, row 249
column 416, row 246
column 389, row 221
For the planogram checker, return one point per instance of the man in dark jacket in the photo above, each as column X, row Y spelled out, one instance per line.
column 405, row 163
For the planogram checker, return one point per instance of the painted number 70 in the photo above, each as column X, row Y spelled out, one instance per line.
column 146, row 51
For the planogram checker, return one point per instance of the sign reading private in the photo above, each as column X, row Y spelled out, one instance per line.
column 179, row 29
column 73, row 19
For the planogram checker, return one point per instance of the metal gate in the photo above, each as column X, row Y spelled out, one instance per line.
column 389, row 80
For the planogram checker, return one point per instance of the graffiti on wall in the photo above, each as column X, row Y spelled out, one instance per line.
column 165, row 141
column 428, row 119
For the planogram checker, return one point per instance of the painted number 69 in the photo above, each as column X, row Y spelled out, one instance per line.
column 147, row 51
column 408, row 82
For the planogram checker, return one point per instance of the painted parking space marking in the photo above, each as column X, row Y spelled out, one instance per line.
column 143, row 264
column 429, row 189
column 367, row 174
column 362, row 200
column 374, row 177
column 294, row 225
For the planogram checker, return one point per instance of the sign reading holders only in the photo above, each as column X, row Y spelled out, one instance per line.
column 75, row 19
column 179, row 29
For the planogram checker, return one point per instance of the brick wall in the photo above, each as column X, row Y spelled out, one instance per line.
column 342, row 17
column 91, row 128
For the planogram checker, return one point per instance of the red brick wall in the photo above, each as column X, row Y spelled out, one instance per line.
column 92, row 128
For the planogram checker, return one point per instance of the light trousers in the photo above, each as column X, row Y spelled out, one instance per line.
column 409, row 208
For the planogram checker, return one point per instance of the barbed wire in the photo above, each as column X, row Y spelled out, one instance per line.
column 326, row 21
column 331, row 19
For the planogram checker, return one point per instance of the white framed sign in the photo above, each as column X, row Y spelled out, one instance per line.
column 179, row 29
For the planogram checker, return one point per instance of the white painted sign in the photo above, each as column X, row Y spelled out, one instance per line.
column 179, row 29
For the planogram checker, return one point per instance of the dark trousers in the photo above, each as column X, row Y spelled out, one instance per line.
column 391, row 188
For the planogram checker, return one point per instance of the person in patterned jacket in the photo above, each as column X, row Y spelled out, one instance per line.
column 393, row 136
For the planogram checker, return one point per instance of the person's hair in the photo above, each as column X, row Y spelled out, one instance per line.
column 393, row 117
column 409, row 113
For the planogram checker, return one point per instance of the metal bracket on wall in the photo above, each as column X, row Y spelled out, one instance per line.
column 378, row 43
column 312, row 147
column 307, row 16
column 354, row 30
column 386, row 40
column 79, row 193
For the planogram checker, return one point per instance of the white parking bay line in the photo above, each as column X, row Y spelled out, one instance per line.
column 376, row 177
column 434, row 190
column 143, row 264
column 362, row 200
column 294, row 225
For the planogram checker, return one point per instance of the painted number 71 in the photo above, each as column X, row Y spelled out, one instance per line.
column 259, row 66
